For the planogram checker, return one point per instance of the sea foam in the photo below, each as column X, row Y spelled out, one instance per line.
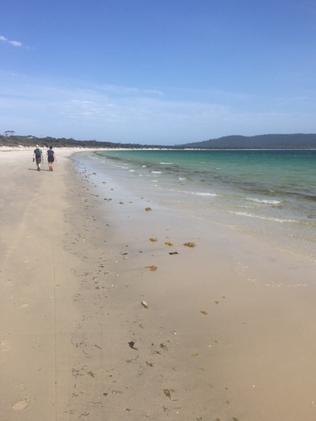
column 196, row 193
column 266, row 218
column 264, row 201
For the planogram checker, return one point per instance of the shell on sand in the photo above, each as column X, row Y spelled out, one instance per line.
column 144, row 304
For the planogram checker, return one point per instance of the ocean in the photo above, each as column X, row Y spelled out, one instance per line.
column 259, row 191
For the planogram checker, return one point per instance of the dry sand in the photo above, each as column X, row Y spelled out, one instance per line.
column 222, row 331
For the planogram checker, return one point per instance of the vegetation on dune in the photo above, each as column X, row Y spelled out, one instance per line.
column 9, row 139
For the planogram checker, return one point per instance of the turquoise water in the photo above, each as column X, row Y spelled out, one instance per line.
column 268, row 194
column 272, row 173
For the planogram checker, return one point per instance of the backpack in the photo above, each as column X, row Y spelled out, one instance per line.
column 38, row 153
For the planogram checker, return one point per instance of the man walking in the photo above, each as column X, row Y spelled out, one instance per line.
column 37, row 157
column 50, row 158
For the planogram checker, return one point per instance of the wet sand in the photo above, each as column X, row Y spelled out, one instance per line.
column 98, row 321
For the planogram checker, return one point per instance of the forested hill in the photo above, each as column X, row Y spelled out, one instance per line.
column 267, row 141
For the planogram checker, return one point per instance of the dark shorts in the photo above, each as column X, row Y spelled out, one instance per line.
column 38, row 160
column 50, row 160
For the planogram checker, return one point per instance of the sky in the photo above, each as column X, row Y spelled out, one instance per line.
column 159, row 72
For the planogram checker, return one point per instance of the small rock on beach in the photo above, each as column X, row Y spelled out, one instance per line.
column 189, row 244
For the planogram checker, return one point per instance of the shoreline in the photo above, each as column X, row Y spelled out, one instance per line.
column 275, row 219
column 86, row 149
column 227, row 332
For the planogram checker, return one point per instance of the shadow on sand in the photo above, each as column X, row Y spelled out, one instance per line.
column 34, row 169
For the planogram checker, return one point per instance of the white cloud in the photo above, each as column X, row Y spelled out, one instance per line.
column 14, row 43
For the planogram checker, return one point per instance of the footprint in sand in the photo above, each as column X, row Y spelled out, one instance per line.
column 4, row 346
column 21, row 405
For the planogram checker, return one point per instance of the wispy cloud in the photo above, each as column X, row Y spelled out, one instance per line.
column 119, row 113
column 14, row 43
column 128, row 91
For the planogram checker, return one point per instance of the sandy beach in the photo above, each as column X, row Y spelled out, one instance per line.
column 109, row 311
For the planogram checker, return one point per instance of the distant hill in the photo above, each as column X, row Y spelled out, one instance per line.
column 267, row 141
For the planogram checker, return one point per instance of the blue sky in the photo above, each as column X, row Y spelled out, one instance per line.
column 159, row 72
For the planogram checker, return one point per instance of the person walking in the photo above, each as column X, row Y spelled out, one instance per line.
column 37, row 157
column 50, row 158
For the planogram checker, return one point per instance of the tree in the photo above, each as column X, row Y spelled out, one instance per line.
column 9, row 133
